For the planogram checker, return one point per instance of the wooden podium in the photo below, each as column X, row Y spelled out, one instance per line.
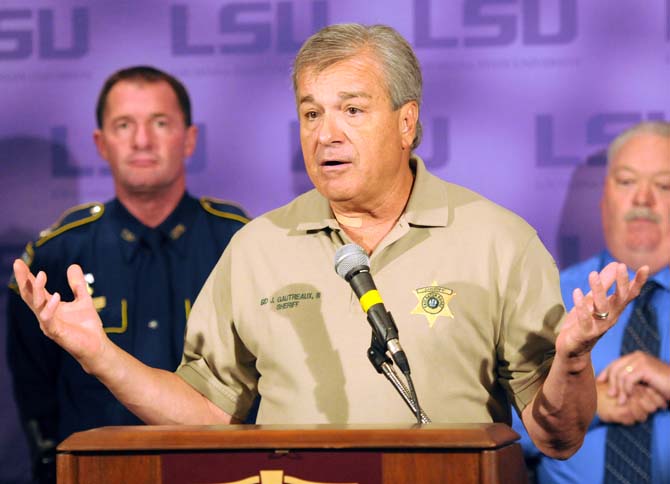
column 270, row 454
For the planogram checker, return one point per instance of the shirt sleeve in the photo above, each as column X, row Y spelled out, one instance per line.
column 533, row 310
column 216, row 362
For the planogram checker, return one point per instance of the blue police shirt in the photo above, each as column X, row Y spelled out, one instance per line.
column 588, row 464
column 142, row 281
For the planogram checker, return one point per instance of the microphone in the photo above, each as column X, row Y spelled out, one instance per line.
column 353, row 265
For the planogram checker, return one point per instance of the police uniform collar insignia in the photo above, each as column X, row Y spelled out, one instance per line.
column 177, row 231
column 128, row 236
column 433, row 302
column 178, row 222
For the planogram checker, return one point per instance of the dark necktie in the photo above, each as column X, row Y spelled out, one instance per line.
column 628, row 449
column 154, row 333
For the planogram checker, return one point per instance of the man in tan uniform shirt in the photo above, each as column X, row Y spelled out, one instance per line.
column 300, row 326
column 275, row 319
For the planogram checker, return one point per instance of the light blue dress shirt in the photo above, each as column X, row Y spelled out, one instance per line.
column 588, row 464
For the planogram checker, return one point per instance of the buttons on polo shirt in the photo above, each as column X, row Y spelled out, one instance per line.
column 153, row 324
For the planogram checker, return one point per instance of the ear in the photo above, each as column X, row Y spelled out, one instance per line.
column 191, row 140
column 409, row 116
column 98, row 139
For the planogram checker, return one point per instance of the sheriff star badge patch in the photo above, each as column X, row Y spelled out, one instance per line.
column 433, row 302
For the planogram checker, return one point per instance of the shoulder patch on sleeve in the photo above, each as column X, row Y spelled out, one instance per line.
column 224, row 209
column 71, row 218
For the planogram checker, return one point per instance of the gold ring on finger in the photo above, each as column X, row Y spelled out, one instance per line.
column 601, row 316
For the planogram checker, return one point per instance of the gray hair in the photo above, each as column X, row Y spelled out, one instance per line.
column 400, row 67
column 660, row 128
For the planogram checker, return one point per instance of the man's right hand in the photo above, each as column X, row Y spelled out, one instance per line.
column 155, row 396
column 75, row 325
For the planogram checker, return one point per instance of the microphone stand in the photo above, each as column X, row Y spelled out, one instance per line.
column 383, row 364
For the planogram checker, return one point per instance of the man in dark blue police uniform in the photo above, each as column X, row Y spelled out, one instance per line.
column 146, row 254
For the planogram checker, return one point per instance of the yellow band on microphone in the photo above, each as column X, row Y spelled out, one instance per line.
column 369, row 299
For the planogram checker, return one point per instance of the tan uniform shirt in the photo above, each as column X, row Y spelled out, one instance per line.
column 473, row 291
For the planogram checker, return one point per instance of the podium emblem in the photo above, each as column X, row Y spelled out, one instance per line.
column 277, row 477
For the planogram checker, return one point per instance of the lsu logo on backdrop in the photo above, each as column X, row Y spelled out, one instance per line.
column 496, row 23
column 62, row 165
column 46, row 33
column 244, row 28
column 598, row 129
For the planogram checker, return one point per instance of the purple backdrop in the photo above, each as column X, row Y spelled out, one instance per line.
column 521, row 97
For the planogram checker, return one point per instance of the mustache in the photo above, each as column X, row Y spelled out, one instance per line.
column 644, row 213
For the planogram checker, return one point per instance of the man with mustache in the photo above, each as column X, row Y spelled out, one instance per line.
column 146, row 254
column 633, row 380
column 473, row 291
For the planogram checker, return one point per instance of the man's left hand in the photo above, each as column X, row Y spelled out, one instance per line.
column 596, row 312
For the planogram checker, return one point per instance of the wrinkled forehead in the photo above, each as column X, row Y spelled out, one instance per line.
column 360, row 74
